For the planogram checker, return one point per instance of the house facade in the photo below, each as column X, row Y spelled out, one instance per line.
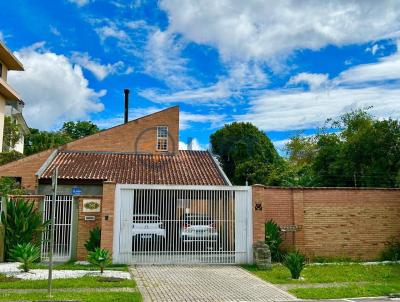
column 153, row 202
column 8, row 96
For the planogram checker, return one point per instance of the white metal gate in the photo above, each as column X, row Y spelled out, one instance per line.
column 182, row 224
column 62, row 227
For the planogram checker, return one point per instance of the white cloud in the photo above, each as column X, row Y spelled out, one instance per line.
column 374, row 48
column 242, row 77
column 163, row 60
column 264, row 29
column 387, row 68
column 80, row 3
column 55, row 31
column 360, row 86
column 100, row 71
column 292, row 109
column 186, row 118
column 111, row 31
column 313, row 80
column 53, row 89
column 195, row 145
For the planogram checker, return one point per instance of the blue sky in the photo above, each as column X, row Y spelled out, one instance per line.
column 286, row 67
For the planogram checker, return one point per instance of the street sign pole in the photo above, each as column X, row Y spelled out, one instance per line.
column 54, row 181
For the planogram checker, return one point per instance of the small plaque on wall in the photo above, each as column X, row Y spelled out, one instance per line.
column 91, row 205
column 90, row 218
column 258, row 206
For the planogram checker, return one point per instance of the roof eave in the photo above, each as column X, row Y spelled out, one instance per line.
column 8, row 58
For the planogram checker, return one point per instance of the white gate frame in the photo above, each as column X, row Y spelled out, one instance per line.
column 243, row 205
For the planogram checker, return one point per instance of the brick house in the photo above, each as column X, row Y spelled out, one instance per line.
column 140, row 152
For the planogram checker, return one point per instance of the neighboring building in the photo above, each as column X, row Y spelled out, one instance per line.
column 14, row 111
column 8, row 96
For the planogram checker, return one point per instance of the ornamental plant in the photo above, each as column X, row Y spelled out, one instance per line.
column 23, row 224
column 94, row 239
column 26, row 253
column 295, row 263
column 274, row 239
column 100, row 257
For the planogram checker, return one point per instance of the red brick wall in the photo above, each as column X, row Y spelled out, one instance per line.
column 352, row 223
column 136, row 136
column 84, row 227
column 107, row 219
column 26, row 169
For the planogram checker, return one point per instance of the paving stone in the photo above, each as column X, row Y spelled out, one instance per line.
column 204, row 283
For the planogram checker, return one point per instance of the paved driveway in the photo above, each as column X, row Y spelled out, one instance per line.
column 204, row 283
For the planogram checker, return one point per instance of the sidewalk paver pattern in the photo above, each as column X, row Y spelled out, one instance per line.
column 204, row 283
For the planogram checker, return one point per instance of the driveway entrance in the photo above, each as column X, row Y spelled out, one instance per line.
column 204, row 283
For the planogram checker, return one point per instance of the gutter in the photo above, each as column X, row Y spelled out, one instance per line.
column 46, row 164
column 216, row 162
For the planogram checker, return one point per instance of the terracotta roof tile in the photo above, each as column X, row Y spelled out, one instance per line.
column 184, row 168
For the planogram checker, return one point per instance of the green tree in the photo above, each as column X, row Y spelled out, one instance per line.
column 77, row 130
column 11, row 134
column 244, row 151
column 38, row 140
column 357, row 150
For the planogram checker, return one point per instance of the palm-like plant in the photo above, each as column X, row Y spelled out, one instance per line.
column 94, row 239
column 100, row 257
column 22, row 222
column 295, row 262
column 274, row 239
column 26, row 253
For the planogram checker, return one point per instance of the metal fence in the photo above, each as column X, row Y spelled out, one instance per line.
column 182, row 224
column 62, row 228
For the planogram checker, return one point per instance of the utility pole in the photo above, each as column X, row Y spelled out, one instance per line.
column 54, row 180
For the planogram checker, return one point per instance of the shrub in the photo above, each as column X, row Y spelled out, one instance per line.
column 100, row 257
column 26, row 253
column 274, row 239
column 22, row 223
column 391, row 251
column 94, row 239
column 295, row 262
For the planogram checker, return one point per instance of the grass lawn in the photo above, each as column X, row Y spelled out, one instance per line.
column 89, row 285
column 365, row 280
column 81, row 296
column 83, row 282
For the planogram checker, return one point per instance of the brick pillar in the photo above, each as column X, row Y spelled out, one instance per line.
column 107, row 219
column 298, row 218
column 258, row 212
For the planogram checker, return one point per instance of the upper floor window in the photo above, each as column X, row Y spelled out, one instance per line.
column 162, row 138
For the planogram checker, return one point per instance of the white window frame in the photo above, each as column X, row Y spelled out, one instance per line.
column 162, row 138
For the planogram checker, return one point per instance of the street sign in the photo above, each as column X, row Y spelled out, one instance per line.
column 76, row 191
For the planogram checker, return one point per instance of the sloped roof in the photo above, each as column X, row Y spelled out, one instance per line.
column 184, row 168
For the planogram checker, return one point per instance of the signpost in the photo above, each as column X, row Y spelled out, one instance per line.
column 54, row 180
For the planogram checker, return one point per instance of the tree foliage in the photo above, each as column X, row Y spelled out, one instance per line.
column 77, row 130
column 39, row 140
column 356, row 150
column 244, row 152
column 11, row 134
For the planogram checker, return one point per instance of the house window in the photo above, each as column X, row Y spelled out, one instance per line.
column 162, row 138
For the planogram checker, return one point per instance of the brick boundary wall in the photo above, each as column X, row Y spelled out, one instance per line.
column 84, row 226
column 334, row 222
